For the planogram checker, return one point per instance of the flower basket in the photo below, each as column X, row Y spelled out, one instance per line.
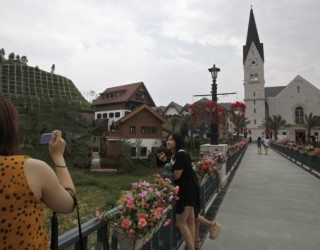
column 144, row 209
column 137, row 243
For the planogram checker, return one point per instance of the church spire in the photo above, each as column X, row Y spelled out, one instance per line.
column 252, row 37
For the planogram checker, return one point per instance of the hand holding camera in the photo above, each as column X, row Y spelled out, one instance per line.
column 56, row 148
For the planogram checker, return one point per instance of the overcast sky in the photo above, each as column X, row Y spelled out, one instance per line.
column 167, row 44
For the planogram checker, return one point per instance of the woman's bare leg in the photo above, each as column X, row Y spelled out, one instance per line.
column 203, row 221
column 184, row 223
column 197, row 230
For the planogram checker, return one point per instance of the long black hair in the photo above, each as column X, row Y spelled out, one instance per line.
column 177, row 137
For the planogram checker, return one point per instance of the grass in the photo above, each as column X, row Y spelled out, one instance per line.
column 98, row 190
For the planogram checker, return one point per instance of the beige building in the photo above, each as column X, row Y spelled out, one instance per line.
column 291, row 101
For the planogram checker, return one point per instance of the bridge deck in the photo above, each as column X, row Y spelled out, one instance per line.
column 271, row 204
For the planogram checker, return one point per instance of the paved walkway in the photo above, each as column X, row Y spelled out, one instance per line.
column 271, row 204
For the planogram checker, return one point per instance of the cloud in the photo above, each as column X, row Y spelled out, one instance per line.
column 167, row 44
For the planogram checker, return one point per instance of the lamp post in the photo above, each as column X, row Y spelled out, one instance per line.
column 214, row 137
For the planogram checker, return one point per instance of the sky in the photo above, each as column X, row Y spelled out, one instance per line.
column 169, row 44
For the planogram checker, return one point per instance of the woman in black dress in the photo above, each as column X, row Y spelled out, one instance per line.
column 163, row 160
column 188, row 194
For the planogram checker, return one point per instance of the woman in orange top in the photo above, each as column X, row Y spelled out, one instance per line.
column 26, row 183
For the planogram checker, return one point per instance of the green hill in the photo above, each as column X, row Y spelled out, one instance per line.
column 30, row 87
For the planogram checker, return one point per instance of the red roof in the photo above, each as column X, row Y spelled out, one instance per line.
column 125, row 91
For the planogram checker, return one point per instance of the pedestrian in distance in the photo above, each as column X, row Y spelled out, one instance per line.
column 26, row 184
column 259, row 144
column 266, row 144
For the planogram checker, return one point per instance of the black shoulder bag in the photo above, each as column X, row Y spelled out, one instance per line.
column 54, row 224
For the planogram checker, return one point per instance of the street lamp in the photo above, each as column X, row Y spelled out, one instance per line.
column 214, row 137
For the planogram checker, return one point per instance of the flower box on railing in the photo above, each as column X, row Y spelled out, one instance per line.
column 144, row 209
column 136, row 243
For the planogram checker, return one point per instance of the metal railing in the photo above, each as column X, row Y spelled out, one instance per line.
column 301, row 158
column 165, row 238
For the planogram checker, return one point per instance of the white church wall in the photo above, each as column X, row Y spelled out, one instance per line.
column 289, row 99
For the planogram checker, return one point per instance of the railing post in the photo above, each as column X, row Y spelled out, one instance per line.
column 102, row 238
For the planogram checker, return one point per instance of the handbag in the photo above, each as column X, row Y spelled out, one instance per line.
column 54, row 224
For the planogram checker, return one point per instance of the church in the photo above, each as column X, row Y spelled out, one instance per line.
column 292, row 101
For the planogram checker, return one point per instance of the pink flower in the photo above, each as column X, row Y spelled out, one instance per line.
column 126, row 223
column 157, row 212
column 130, row 204
column 142, row 222
column 143, row 194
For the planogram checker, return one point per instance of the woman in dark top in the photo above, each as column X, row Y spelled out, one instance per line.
column 188, row 194
column 162, row 158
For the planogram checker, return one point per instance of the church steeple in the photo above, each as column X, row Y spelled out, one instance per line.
column 252, row 37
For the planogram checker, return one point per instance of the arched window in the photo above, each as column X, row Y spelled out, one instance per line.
column 299, row 115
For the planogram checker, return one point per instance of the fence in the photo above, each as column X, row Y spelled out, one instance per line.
column 301, row 158
column 165, row 238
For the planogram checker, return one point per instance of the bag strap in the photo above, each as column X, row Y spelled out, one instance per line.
column 54, row 232
column 54, row 224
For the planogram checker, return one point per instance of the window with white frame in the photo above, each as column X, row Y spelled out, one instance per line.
column 299, row 115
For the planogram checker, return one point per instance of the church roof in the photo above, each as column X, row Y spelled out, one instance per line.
column 273, row 91
column 252, row 36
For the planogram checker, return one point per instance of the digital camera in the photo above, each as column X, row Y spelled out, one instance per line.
column 45, row 138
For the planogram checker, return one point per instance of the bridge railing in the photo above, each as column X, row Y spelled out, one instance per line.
column 167, row 237
column 301, row 158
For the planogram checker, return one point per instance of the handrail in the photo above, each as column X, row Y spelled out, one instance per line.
column 302, row 159
column 172, row 240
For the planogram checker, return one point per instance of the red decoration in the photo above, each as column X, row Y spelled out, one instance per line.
column 237, row 105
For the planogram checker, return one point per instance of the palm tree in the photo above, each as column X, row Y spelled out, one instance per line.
column 275, row 123
column 266, row 125
column 311, row 122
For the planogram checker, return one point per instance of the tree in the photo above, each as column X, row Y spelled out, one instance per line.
column 275, row 123
column 11, row 56
column 2, row 54
column 18, row 58
column 53, row 67
column 174, row 121
column 185, row 126
column 238, row 112
column 268, row 130
column 24, row 59
column 311, row 122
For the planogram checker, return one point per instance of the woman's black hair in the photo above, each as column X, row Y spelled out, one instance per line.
column 178, row 140
column 161, row 149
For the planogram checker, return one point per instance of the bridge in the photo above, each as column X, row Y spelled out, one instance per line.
column 268, row 202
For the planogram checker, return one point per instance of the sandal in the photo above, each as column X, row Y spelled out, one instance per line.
column 214, row 230
column 197, row 244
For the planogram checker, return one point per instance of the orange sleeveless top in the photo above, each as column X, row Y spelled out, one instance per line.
column 21, row 214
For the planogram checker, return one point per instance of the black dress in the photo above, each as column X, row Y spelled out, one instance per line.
column 189, row 194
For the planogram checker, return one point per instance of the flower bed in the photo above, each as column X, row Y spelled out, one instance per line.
column 302, row 148
column 237, row 146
